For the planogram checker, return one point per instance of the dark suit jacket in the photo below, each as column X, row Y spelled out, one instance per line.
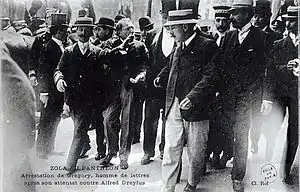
column 242, row 66
column 45, row 71
column 157, row 61
column 196, row 82
column 129, row 65
column 282, row 81
column 84, row 75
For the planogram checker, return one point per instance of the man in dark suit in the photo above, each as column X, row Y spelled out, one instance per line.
column 158, row 42
column 283, row 75
column 128, row 64
column 189, row 90
column 104, row 30
column 80, row 75
column 261, row 19
column 219, row 138
column 242, row 68
column 51, row 99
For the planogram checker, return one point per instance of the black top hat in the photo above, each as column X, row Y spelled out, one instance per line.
column 292, row 12
column 82, row 13
column 190, row 4
column 119, row 17
column 167, row 5
column 263, row 7
column 221, row 11
column 145, row 23
column 59, row 19
column 106, row 22
column 84, row 22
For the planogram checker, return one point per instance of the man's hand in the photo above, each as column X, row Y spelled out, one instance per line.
column 266, row 107
column 156, row 82
column 33, row 81
column 61, row 85
column 293, row 64
column 104, row 52
column 185, row 104
column 127, row 42
column 44, row 97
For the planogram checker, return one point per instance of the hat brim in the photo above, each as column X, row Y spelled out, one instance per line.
column 238, row 7
column 63, row 25
column 84, row 25
column 102, row 25
column 149, row 25
column 289, row 17
column 179, row 22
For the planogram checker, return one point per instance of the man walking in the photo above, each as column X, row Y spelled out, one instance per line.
column 160, row 45
column 80, row 75
column 51, row 99
column 283, row 75
column 243, row 67
column 189, row 82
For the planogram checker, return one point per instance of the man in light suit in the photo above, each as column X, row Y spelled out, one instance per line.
column 189, row 82
column 81, row 76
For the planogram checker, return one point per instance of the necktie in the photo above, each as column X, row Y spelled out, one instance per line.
column 173, row 73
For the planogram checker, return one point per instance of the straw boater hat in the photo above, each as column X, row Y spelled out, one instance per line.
column 221, row 11
column 292, row 12
column 178, row 17
column 84, row 22
column 240, row 4
column 106, row 22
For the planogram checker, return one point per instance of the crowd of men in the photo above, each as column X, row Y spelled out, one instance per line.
column 211, row 89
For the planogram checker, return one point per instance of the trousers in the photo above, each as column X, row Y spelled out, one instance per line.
column 152, row 114
column 176, row 130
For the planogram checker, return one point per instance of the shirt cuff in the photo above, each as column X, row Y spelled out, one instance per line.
column 267, row 101
column 44, row 94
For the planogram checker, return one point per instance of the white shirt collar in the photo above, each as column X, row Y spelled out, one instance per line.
column 246, row 28
column 83, row 46
column 244, row 32
column 294, row 38
column 188, row 41
column 59, row 43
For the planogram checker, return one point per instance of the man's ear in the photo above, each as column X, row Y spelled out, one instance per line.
column 185, row 27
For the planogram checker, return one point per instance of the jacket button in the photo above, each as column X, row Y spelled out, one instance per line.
column 80, row 76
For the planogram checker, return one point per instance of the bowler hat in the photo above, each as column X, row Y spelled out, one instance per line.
column 292, row 12
column 178, row 17
column 119, row 17
column 221, row 11
column 238, row 4
column 84, row 22
column 106, row 22
column 59, row 19
column 145, row 23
